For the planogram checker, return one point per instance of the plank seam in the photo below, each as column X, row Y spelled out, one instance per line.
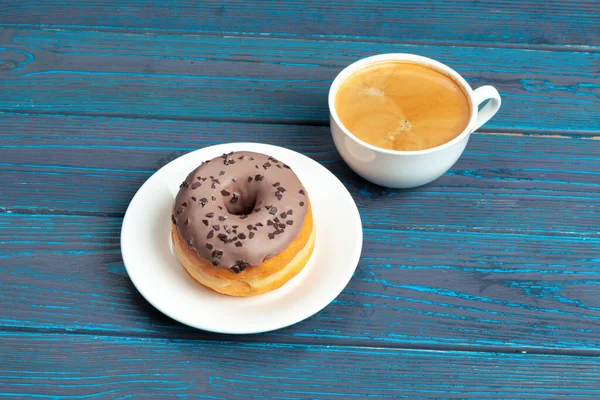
column 327, row 38
column 545, row 133
column 321, row 344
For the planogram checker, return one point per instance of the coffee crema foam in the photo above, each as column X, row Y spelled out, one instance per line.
column 399, row 105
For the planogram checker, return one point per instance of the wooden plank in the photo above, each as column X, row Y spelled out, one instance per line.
column 549, row 23
column 501, row 184
column 201, row 77
column 411, row 288
column 75, row 366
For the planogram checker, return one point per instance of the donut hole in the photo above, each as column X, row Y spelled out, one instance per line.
column 245, row 203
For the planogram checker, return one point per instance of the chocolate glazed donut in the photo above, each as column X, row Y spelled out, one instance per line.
column 240, row 209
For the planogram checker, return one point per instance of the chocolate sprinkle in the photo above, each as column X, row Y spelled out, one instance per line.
column 259, row 177
column 210, row 214
column 259, row 224
column 276, row 184
column 289, row 222
column 216, row 227
column 222, row 237
column 175, row 221
column 221, row 173
column 249, row 179
column 222, row 218
column 269, row 223
column 273, row 210
column 251, row 235
column 210, row 235
column 196, row 185
column 238, row 244
column 290, row 212
column 242, row 236
column 301, row 192
column 186, row 222
column 205, row 222
column 213, row 186
column 213, row 198
column 242, row 265
column 203, row 178
column 217, row 254
column 194, row 198
column 234, row 198
column 215, row 263
column 249, row 227
column 203, row 201
column 209, row 246
column 225, row 192
column 301, row 204
column 282, row 226
column 271, row 236
column 283, row 215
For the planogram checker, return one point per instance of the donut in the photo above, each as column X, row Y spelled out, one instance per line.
column 242, row 224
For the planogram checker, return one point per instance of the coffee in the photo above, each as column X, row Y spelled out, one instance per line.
column 401, row 105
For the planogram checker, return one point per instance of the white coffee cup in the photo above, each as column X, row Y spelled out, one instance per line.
column 408, row 169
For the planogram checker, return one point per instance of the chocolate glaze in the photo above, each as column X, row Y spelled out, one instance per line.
column 240, row 209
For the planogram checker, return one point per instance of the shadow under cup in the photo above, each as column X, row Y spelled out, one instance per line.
column 401, row 168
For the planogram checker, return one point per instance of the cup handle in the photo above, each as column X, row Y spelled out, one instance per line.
column 486, row 113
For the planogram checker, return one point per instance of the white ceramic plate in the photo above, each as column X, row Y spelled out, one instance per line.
column 162, row 280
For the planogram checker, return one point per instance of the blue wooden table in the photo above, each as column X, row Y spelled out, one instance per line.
column 483, row 284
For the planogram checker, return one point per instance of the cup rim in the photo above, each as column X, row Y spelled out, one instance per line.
column 426, row 61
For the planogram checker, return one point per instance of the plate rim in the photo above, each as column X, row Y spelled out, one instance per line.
column 332, row 295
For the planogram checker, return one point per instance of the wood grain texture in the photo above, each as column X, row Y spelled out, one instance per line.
column 510, row 184
column 411, row 288
column 513, row 22
column 233, row 78
column 86, row 367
